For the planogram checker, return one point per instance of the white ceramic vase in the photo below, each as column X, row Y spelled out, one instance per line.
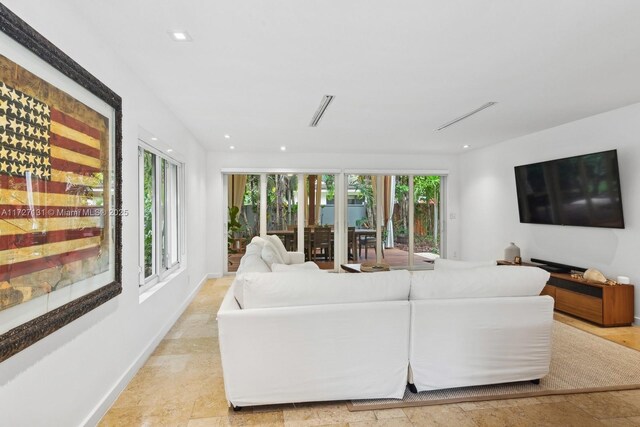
column 511, row 252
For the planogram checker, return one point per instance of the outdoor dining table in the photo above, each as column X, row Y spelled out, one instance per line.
column 288, row 235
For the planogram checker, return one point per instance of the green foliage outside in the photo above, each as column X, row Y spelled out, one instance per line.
column 233, row 227
column 330, row 182
column 149, row 160
column 426, row 193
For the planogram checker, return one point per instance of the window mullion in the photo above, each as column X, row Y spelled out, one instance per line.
column 411, row 222
column 158, row 219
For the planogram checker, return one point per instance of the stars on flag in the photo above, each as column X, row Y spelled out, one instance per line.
column 24, row 134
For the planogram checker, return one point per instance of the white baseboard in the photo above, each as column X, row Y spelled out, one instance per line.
column 636, row 321
column 94, row 417
column 214, row 275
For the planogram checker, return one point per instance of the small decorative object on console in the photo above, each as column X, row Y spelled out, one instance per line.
column 623, row 280
column 511, row 252
column 594, row 275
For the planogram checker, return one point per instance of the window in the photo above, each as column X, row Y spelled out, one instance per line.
column 160, row 215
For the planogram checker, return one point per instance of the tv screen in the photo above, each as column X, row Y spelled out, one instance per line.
column 581, row 190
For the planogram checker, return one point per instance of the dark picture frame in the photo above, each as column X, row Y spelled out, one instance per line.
column 26, row 334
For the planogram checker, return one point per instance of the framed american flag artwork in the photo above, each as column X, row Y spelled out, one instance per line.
column 60, row 188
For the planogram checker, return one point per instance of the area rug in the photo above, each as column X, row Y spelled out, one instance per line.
column 580, row 363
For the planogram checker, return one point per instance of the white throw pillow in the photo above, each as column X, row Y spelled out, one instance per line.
column 252, row 261
column 270, row 254
column 482, row 282
column 277, row 243
column 290, row 289
column 257, row 240
column 451, row 264
column 309, row 266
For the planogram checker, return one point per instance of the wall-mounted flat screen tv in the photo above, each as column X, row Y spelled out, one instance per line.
column 581, row 190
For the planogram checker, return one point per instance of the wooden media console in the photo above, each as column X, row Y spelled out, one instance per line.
column 605, row 305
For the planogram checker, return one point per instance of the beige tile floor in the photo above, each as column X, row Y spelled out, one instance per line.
column 181, row 385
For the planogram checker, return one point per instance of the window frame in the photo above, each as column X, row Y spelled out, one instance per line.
column 163, row 245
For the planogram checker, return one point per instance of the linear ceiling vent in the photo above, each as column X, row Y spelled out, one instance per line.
column 324, row 104
column 469, row 114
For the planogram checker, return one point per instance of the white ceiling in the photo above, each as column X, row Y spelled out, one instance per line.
column 257, row 70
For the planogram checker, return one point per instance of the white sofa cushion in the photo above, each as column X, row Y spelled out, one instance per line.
column 296, row 258
column 450, row 264
column 309, row 266
column 252, row 261
column 258, row 241
column 259, row 290
column 277, row 243
column 482, row 282
column 270, row 254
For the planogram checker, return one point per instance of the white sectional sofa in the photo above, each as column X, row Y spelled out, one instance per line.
column 303, row 336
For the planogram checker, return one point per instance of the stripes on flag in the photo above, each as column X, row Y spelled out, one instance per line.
column 50, row 182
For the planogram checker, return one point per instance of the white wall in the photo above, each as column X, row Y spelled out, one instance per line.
column 216, row 235
column 71, row 376
column 489, row 208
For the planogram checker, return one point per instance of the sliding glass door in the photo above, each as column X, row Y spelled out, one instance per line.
column 298, row 208
column 243, row 220
column 339, row 218
column 427, row 217
column 282, row 208
column 393, row 219
column 362, row 217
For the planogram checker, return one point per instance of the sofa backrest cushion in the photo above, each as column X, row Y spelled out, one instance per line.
column 305, row 266
column 270, row 254
column 277, row 243
column 252, row 261
column 481, row 282
column 261, row 290
column 258, row 241
column 451, row 264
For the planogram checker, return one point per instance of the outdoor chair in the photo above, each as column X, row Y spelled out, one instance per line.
column 322, row 240
column 368, row 242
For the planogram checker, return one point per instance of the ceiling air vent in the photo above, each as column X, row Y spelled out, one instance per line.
column 469, row 114
column 324, row 104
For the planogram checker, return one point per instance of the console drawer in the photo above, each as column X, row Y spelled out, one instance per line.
column 585, row 306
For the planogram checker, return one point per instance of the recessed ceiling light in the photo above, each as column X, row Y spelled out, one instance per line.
column 227, row 136
column 232, row 147
column 180, row 36
column 153, row 138
column 466, row 146
column 170, row 150
column 283, row 148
